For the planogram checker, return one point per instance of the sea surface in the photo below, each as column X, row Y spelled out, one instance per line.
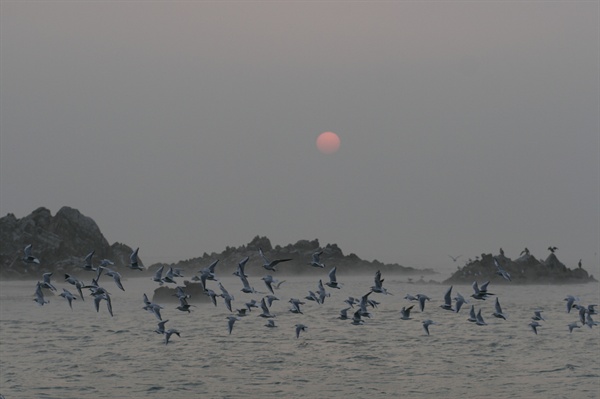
column 52, row 351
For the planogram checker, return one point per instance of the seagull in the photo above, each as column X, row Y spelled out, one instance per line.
column 208, row 273
column 570, row 301
column 500, row 271
column 300, row 327
column 373, row 303
column 265, row 310
column 46, row 281
column 590, row 322
column 115, row 275
column 77, row 283
column 312, row 297
column 460, row 300
column 247, row 289
column 525, row 251
column 226, row 296
column 271, row 298
column 270, row 323
column 135, row 265
column 152, row 307
column 100, row 295
column 422, row 298
column 158, row 275
column 534, row 325
column 364, row 301
column 472, row 318
column 357, row 319
column 169, row 277
column 332, row 279
column 212, row 295
column 68, row 296
column 537, row 315
column 378, row 287
column 582, row 312
column 447, row 300
column 483, row 288
column 231, row 321
column 106, row 262
column 572, row 326
column 269, row 280
column 322, row 293
column 168, row 334
column 344, row 314
column 39, row 295
column 351, row 301
column 405, row 312
column 315, row 262
column 454, row 258
column 94, row 287
column 161, row 327
column 278, row 284
column 410, row 297
column 177, row 273
column 552, row 249
column 251, row 304
column 498, row 313
column 242, row 312
column 479, row 319
column 87, row 262
column 29, row 258
column 240, row 269
column 270, row 264
column 426, row 324
column 184, row 306
column 480, row 292
column 295, row 305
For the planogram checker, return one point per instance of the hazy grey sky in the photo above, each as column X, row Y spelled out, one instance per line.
column 184, row 127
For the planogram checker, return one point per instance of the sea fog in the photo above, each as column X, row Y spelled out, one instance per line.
column 53, row 351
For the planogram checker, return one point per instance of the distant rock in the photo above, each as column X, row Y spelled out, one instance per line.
column 60, row 242
column 300, row 253
column 524, row 270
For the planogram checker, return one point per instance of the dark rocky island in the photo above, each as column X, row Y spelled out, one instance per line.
column 300, row 253
column 61, row 243
column 526, row 269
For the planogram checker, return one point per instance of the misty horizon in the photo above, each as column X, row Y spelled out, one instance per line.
column 183, row 127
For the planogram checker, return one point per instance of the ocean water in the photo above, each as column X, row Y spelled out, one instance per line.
column 52, row 351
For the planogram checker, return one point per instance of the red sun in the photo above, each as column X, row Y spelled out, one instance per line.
column 328, row 142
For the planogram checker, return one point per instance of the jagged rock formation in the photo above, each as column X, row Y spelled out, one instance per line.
column 524, row 270
column 60, row 242
column 301, row 254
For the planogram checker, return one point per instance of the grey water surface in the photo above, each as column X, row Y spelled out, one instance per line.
column 52, row 351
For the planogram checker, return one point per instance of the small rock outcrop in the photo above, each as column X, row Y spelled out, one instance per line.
column 526, row 269
column 193, row 289
column 61, row 242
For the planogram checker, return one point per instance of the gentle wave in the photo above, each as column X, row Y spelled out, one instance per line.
column 55, row 352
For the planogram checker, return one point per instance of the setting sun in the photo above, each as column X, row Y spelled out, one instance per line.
column 328, row 142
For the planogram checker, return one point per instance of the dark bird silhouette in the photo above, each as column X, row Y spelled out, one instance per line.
column 270, row 264
column 454, row 258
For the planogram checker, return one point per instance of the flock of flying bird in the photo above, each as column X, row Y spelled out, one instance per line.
column 350, row 312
